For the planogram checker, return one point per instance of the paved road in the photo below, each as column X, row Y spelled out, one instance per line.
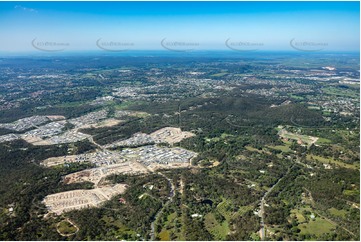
column 170, row 198
column 91, row 139
column 262, row 231
column 263, row 201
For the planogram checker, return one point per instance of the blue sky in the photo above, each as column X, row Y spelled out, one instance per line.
column 202, row 25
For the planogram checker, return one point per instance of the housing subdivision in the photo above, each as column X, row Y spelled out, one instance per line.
column 25, row 123
column 46, row 131
column 98, row 158
column 146, row 155
column 70, row 136
column 128, row 161
column 155, row 157
column 168, row 135
column 137, row 139
column 8, row 137
column 90, row 118
column 78, row 199
column 122, row 113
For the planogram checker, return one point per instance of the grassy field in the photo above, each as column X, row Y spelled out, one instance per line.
column 313, row 107
column 216, row 139
column 352, row 93
column 224, row 209
column 242, row 210
column 122, row 229
column 326, row 113
column 69, row 104
column 337, row 213
column 283, row 148
column 219, row 74
column 304, row 138
column 250, row 148
column 169, row 227
column 164, row 235
column 65, row 227
column 332, row 161
column 351, row 192
column 318, row 226
column 321, row 141
column 218, row 230
column 299, row 216
column 127, row 104
column 296, row 97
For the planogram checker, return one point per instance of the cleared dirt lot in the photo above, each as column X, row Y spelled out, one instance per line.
column 95, row 175
column 34, row 140
column 170, row 135
column 54, row 161
column 104, row 123
column 55, row 117
column 154, row 167
column 78, row 199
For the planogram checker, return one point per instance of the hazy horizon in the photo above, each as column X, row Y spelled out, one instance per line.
column 179, row 26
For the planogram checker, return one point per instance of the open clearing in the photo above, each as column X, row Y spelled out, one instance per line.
column 337, row 213
column 170, row 227
column 218, row 230
column 299, row 215
column 106, row 123
column 219, row 74
column 77, row 199
column 95, row 175
column 66, row 228
column 283, row 148
column 332, row 161
column 250, row 148
column 170, row 135
column 301, row 139
column 318, row 226
column 164, row 235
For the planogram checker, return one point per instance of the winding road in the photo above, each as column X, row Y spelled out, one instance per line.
column 170, row 199
column 263, row 201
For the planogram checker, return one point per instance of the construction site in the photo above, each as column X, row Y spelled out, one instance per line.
column 59, row 203
column 131, row 161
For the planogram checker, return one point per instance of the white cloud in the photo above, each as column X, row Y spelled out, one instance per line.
column 26, row 9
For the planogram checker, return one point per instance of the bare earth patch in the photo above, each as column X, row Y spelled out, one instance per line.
column 95, row 175
column 170, row 135
column 55, row 117
column 78, row 199
column 34, row 140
